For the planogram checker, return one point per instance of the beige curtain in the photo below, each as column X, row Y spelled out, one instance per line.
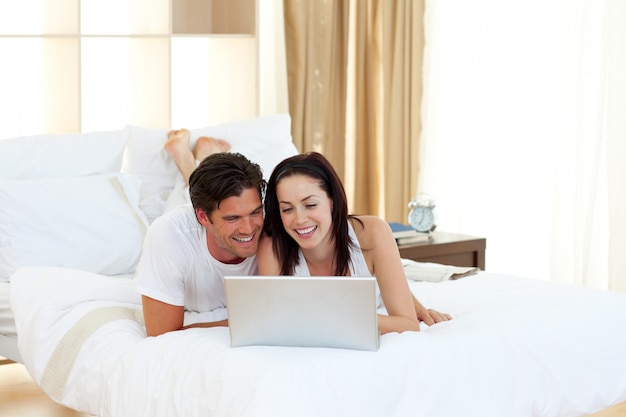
column 355, row 85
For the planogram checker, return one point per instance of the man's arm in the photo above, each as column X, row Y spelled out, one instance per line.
column 161, row 317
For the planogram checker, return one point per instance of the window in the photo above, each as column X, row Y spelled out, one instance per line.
column 90, row 65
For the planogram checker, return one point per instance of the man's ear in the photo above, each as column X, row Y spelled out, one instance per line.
column 202, row 217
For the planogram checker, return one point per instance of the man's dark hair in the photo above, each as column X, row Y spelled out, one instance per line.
column 223, row 175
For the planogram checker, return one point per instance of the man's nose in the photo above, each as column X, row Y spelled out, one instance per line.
column 247, row 225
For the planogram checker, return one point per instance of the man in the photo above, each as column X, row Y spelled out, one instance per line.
column 189, row 249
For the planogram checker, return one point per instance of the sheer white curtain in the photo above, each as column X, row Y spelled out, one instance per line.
column 524, row 138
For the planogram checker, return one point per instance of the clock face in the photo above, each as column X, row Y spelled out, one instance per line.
column 422, row 219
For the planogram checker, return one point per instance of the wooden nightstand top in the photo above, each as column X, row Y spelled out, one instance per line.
column 448, row 248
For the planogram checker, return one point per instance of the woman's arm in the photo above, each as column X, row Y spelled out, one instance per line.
column 383, row 260
column 428, row 315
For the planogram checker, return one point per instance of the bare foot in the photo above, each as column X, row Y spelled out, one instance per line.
column 206, row 146
column 177, row 143
column 177, row 146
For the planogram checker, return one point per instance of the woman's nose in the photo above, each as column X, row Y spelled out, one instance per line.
column 301, row 216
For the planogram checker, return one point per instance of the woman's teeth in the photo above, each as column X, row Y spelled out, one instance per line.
column 306, row 231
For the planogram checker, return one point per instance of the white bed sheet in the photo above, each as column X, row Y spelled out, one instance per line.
column 7, row 324
column 8, row 332
column 516, row 347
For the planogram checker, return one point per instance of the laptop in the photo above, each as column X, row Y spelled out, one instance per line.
column 332, row 312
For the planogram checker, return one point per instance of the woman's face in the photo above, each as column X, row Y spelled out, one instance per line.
column 305, row 210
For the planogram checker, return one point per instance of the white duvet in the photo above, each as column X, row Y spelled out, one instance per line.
column 516, row 347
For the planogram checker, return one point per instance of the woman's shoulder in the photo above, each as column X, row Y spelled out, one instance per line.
column 369, row 227
column 373, row 233
column 266, row 260
column 369, row 222
column 265, row 243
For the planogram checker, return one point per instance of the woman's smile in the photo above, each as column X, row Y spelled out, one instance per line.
column 307, row 231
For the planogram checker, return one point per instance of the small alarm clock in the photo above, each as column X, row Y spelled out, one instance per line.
column 422, row 214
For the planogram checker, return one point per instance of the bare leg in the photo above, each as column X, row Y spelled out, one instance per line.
column 177, row 146
column 206, row 146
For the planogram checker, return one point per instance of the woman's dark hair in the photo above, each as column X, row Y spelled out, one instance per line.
column 222, row 175
column 313, row 165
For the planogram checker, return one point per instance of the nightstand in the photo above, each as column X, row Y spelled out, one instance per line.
column 449, row 249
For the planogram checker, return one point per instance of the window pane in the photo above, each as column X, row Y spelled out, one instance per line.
column 214, row 16
column 61, row 85
column 124, row 17
column 20, row 83
column 105, row 83
column 150, row 82
column 207, row 88
column 124, row 81
column 36, row 17
column 233, row 82
column 190, row 82
column 35, row 100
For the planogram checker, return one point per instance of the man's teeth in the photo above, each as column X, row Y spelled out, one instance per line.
column 244, row 239
column 305, row 231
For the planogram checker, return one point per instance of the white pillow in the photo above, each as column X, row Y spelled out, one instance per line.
column 90, row 223
column 265, row 140
column 68, row 155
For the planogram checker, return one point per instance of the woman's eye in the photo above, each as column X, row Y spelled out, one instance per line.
column 286, row 210
column 310, row 206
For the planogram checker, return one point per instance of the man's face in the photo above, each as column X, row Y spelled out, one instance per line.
column 235, row 227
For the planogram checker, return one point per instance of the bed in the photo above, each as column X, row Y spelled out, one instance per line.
column 84, row 201
column 517, row 346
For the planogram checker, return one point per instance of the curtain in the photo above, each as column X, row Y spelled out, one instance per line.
column 524, row 138
column 354, row 75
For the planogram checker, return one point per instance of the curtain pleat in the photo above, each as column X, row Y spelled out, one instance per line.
column 354, row 74
column 402, row 70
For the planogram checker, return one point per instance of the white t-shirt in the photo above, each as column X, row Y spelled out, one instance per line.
column 177, row 268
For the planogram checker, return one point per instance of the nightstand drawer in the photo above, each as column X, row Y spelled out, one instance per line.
column 449, row 249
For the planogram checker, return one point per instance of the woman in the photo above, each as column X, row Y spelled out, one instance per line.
column 309, row 232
